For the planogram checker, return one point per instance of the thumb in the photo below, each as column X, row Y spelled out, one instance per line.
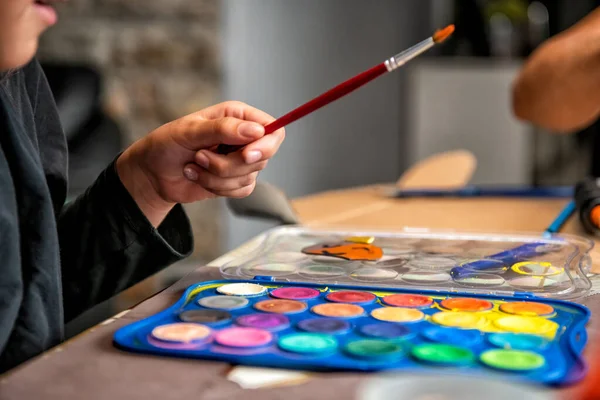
column 203, row 133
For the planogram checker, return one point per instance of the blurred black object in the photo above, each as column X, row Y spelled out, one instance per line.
column 94, row 139
column 470, row 29
column 484, row 28
column 587, row 198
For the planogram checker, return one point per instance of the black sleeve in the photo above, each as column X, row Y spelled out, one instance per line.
column 107, row 244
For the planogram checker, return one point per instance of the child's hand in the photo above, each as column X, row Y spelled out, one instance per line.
column 176, row 163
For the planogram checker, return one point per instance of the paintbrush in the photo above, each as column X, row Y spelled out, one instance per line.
column 351, row 84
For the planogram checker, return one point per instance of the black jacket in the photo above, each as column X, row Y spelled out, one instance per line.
column 58, row 260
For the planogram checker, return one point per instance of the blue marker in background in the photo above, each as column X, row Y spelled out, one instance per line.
column 492, row 191
column 562, row 218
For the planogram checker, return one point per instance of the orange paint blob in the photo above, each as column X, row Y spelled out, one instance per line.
column 346, row 250
column 526, row 308
column 442, row 34
column 466, row 304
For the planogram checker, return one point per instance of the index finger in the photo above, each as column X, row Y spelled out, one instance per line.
column 237, row 109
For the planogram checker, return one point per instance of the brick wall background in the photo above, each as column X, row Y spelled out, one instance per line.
column 160, row 60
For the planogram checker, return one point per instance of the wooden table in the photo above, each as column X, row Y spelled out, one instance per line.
column 368, row 207
column 89, row 367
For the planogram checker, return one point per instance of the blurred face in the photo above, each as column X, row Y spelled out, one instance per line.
column 21, row 24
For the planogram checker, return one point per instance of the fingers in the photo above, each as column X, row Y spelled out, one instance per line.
column 236, row 109
column 195, row 133
column 240, row 186
column 237, row 193
column 263, row 148
column 232, row 123
column 227, row 166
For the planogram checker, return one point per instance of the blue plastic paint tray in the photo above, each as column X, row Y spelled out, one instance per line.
column 414, row 300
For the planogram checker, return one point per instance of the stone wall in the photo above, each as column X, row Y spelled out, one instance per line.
column 160, row 60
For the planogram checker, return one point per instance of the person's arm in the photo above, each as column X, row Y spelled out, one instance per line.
column 108, row 244
column 558, row 88
column 130, row 223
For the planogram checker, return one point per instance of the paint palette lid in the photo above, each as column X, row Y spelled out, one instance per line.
column 504, row 264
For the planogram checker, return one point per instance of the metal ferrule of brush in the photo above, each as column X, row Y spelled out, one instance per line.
column 400, row 59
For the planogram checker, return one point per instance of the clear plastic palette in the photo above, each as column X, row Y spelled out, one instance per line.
column 518, row 265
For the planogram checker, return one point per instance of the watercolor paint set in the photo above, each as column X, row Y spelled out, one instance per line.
column 413, row 300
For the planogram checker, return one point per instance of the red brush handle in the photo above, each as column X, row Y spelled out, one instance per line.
column 331, row 95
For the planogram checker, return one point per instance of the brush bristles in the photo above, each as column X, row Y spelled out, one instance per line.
column 443, row 34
